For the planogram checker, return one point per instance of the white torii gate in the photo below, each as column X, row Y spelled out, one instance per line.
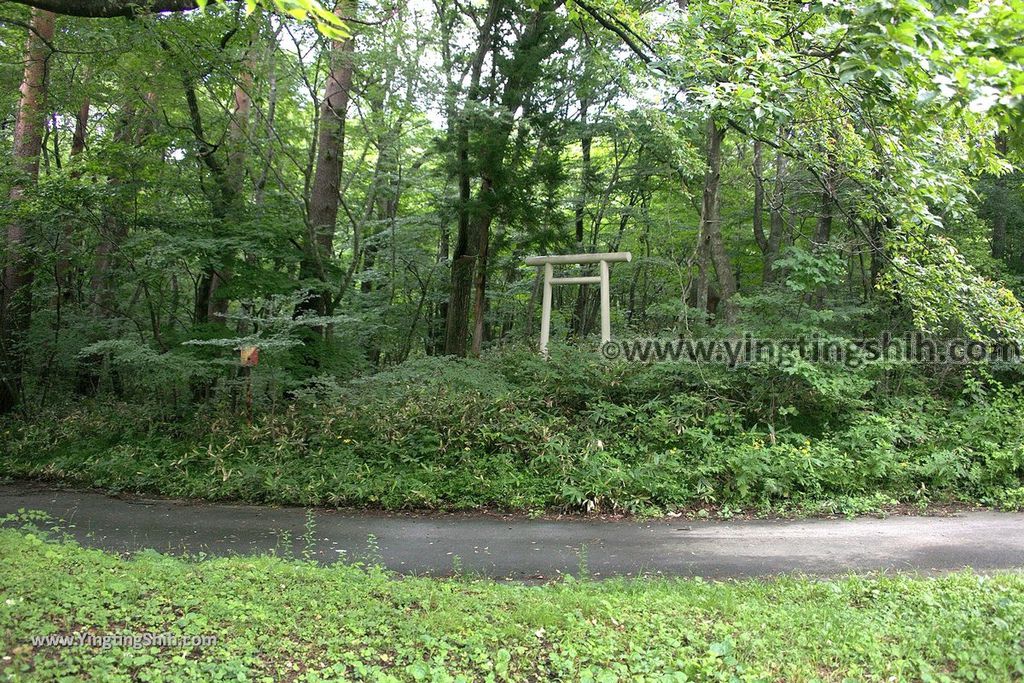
column 549, row 263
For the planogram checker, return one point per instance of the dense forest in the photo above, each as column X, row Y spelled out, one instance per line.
column 355, row 194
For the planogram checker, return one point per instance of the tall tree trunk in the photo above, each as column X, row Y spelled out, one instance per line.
column 822, row 236
column 324, row 196
column 533, row 46
column 483, row 233
column 757, row 170
column 711, row 223
column 16, row 299
column 463, row 260
column 700, row 302
column 466, row 243
column 436, row 334
column 81, row 128
column 775, row 219
column 386, row 192
column 823, row 227
column 579, row 315
column 826, row 209
column 238, row 141
column 999, row 218
column 238, row 126
column 877, row 249
column 445, row 21
column 63, row 274
column 132, row 129
column 219, row 195
column 267, row 161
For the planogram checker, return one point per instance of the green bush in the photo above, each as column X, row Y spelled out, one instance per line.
column 573, row 433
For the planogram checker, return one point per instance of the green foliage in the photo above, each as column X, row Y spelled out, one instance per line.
column 808, row 273
column 886, row 135
column 944, row 291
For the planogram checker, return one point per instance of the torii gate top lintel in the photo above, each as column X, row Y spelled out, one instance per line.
column 568, row 259
column 549, row 280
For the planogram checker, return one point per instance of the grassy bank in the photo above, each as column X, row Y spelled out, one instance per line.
column 574, row 434
column 286, row 620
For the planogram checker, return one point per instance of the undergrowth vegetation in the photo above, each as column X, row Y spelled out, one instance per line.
column 275, row 620
column 571, row 433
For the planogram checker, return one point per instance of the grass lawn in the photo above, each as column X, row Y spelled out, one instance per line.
column 277, row 619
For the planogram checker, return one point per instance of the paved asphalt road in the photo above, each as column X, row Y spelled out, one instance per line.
column 523, row 549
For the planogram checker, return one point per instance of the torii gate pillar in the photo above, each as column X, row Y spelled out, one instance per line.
column 549, row 263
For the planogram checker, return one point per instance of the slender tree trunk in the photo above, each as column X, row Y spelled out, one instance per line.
column 101, row 282
column 711, row 224
column 640, row 311
column 387, row 188
column 438, row 327
column 700, row 302
column 325, row 191
column 55, row 141
column 384, row 190
column 435, row 337
column 238, row 126
column 16, row 299
column 877, row 250
column 999, row 225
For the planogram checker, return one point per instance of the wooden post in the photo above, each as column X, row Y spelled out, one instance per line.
column 545, row 309
column 606, row 307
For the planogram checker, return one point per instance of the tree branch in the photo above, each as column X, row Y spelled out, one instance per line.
column 617, row 27
column 109, row 8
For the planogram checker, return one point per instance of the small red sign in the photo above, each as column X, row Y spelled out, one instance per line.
column 250, row 356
